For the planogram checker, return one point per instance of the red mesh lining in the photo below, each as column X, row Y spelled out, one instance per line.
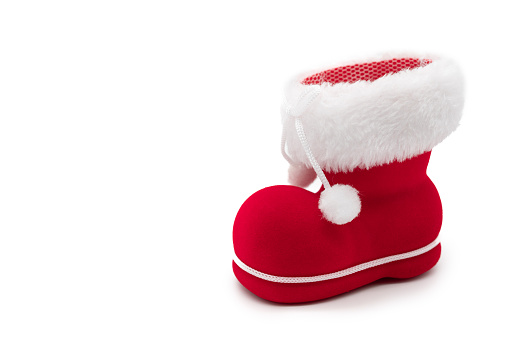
column 367, row 71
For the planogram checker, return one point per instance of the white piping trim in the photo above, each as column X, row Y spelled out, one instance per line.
column 338, row 274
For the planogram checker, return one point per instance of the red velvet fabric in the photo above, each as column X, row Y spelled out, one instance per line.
column 279, row 230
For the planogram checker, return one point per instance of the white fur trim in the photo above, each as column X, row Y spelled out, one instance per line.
column 370, row 123
column 340, row 204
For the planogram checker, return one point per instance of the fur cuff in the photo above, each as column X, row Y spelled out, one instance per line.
column 365, row 123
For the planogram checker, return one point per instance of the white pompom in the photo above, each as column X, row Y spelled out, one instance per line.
column 340, row 204
column 301, row 176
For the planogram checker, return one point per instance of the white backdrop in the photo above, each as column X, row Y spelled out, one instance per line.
column 132, row 131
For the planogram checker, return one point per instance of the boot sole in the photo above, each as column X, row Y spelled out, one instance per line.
column 305, row 289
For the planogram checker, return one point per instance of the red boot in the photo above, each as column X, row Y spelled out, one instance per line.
column 366, row 129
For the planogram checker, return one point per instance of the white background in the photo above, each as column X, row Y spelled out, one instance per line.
column 131, row 133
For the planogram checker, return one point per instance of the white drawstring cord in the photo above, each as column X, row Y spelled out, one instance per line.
column 283, row 148
column 303, row 101
column 309, row 153
column 340, row 203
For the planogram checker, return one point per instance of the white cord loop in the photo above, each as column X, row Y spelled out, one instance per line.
column 309, row 154
column 296, row 109
column 283, row 149
column 340, row 204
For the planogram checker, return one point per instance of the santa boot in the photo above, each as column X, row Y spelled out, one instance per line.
column 366, row 129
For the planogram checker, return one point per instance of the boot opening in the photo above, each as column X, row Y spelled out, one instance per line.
column 364, row 72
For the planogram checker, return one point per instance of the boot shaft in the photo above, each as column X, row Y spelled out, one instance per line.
column 374, row 122
column 388, row 179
